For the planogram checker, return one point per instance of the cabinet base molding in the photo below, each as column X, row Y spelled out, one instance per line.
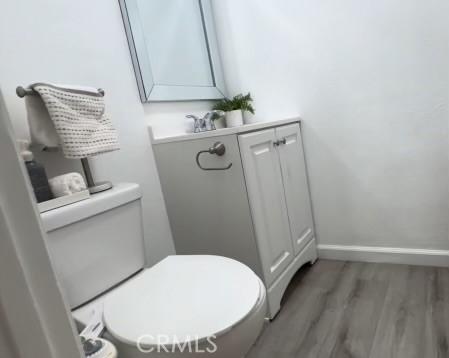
column 277, row 289
column 393, row 255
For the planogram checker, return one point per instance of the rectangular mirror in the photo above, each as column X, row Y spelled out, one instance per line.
column 174, row 49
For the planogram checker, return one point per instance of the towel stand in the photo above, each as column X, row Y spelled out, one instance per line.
column 22, row 92
column 91, row 184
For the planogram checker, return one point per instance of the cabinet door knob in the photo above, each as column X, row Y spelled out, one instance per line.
column 278, row 142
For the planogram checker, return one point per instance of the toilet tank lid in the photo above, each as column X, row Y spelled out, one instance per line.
column 119, row 195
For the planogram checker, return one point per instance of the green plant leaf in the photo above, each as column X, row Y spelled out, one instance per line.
column 240, row 101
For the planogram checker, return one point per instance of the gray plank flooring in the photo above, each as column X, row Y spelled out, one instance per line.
column 361, row 310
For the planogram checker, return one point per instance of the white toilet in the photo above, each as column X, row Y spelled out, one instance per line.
column 184, row 305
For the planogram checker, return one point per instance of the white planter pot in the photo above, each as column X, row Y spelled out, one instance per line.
column 234, row 118
column 249, row 118
column 220, row 123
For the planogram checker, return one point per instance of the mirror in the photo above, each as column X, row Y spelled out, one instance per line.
column 174, row 49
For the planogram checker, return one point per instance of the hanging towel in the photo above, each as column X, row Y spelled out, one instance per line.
column 79, row 119
column 42, row 129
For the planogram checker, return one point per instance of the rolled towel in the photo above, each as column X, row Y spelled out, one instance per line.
column 67, row 184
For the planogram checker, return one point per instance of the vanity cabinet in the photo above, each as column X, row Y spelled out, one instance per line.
column 257, row 210
column 267, row 201
column 296, row 185
column 275, row 172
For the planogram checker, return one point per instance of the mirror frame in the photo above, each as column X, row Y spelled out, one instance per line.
column 153, row 92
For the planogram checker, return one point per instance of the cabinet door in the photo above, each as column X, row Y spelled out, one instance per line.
column 267, row 201
column 296, row 187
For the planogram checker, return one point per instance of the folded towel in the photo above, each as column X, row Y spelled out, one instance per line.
column 42, row 128
column 79, row 119
column 67, row 184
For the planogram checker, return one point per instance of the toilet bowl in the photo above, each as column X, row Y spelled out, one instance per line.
column 200, row 305
column 184, row 306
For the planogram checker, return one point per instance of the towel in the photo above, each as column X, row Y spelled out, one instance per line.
column 67, row 184
column 78, row 117
column 42, row 129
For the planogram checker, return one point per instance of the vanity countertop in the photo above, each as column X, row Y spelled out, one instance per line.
column 219, row 132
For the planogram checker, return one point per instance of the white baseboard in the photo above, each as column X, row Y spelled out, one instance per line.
column 385, row 255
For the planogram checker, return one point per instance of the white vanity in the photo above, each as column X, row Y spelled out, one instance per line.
column 251, row 203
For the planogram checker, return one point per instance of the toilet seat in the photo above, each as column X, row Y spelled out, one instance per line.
column 183, row 298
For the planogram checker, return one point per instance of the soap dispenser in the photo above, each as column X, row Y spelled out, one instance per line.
column 36, row 172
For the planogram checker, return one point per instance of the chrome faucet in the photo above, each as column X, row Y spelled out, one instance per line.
column 212, row 116
column 207, row 122
column 199, row 124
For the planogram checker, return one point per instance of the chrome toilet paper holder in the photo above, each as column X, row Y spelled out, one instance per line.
column 218, row 149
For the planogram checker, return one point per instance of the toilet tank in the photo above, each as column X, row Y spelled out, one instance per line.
column 96, row 243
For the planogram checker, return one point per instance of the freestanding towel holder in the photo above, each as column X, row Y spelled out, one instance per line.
column 94, row 187
column 91, row 184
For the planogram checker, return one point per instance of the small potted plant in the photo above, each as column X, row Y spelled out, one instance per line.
column 234, row 108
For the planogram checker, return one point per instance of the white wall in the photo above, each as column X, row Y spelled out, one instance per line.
column 83, row 42
column 371, row 80
column 34, row 319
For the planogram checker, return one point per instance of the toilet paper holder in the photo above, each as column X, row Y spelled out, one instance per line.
column 218, row 149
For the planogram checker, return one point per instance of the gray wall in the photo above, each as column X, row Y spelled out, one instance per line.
column 371, row 81
column 7, row 347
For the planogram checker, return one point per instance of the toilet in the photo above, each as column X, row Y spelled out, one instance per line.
column 184, row 305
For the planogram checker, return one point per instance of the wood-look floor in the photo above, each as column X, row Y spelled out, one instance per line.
column 359, row 310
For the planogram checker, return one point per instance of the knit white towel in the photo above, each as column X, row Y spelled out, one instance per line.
column 79, row 118
column 42, row 129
